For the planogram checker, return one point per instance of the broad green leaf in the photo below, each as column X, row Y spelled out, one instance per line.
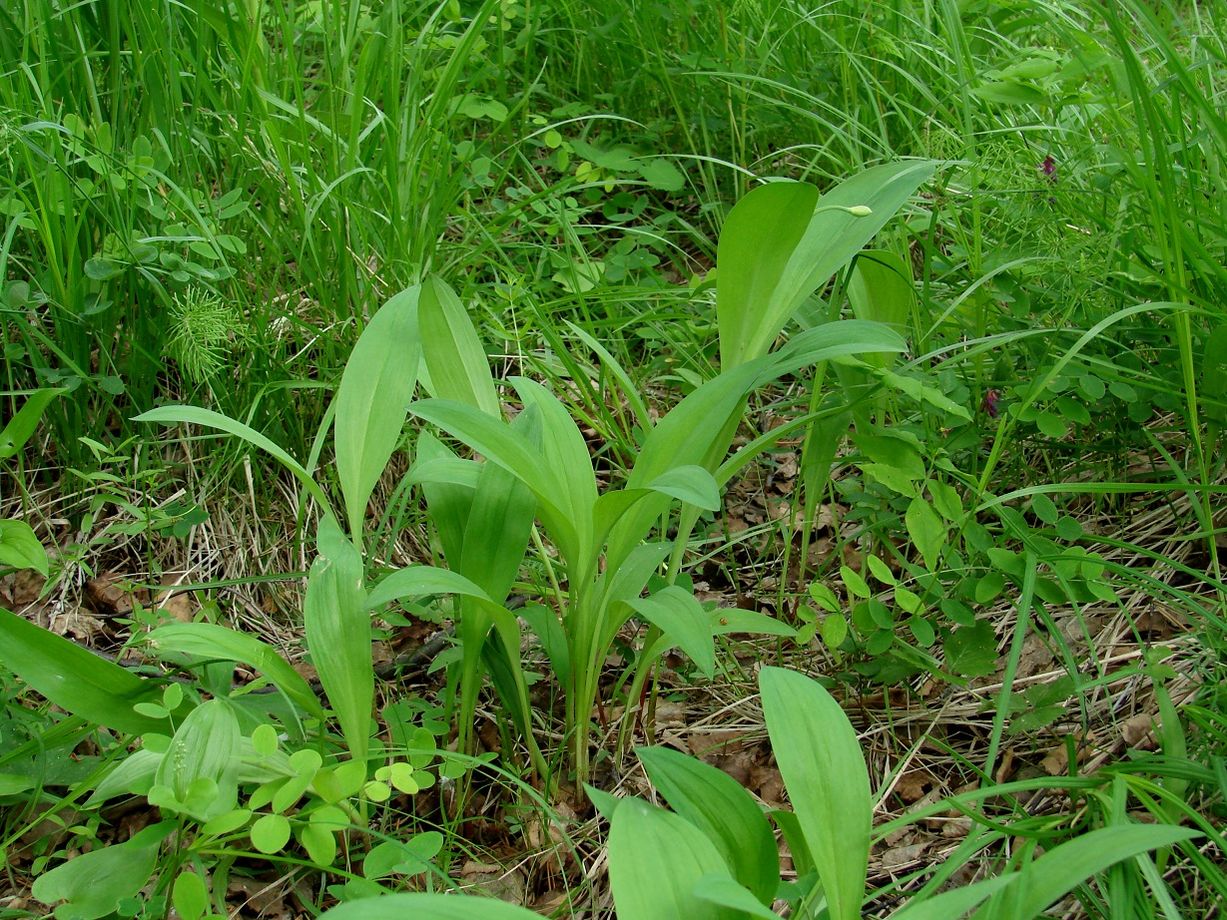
column 20, row 548
column 133, row 776
column 679, row 615
column 372, row 400
column 880, row 289
column 14, row 783
column 1213, row 389
column 458, row 367
column 448, row 498
column 655, row 860
column 209, row 640
column 190, row 415
column 497, row 531
column 718, row 806
column 604, row 803
column 691, row 484
column 543, row 621
column 405, row 857
column 758, row 237
column 204, row 746
column 824, row 772
column 75, row 679
column 25, row 420
column 93, row 884
column 190, row 896
column 1063, row 868
column 419, row 581
column 502, row 444
column 781, row 243
column 725, row 891
column 428, row 907
column 338, row 632
column 699, row 430
column 565, row 458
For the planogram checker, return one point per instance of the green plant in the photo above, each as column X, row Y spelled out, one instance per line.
column 19, row 545
column 715, row 854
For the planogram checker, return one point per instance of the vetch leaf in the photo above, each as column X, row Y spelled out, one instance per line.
column 927, row 530
column 661, row 174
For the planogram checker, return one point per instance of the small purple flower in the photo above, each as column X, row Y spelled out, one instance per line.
column 991, row 399
column 1049, row 168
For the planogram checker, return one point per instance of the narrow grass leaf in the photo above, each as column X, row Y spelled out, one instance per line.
column 1063, row 868
column 372, row 400
column 191, row 415
column 824, row 772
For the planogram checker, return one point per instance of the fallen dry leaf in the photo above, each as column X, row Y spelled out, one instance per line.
column 508, row 885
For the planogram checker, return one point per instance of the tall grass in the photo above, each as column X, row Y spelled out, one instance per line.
column 295, row 163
